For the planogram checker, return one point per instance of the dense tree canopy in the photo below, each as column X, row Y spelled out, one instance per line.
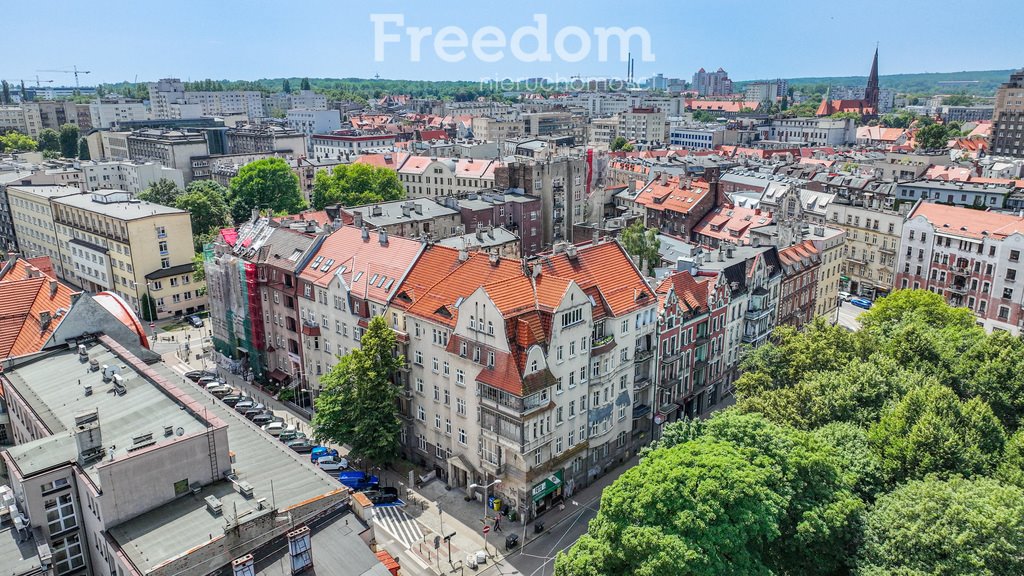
column 68, row 141
column 954, row 527
column 895, row 449
column 49, row 140
column 206, row 202
column 267, row 184
column 164, row 192
column 643, row 243
column 359, row 403
column 16, row 142
column 355, row 185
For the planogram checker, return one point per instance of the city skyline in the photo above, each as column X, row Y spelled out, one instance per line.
column 323, row 39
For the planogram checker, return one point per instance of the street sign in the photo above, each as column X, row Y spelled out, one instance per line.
column 487, row 529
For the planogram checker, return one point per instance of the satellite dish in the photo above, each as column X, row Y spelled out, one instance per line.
column 179, row 431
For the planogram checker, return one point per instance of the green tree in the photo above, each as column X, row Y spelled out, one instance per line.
column 16, row 142
column 286, row 86
column 5, row 95
column 954, row 527
column 206, row 202
column 703, row 116
column 69, row 141
column 199, row 273
column 359, row 403
column 305, row 84
column 355, row 185
column 642, row 243
column 49, row 140
column 147, row 306
column 933, row 137
column 618, row 144
column 698, row 508
column 961, row 99
column 930, row 431
column 267, row 184
column 993, row 370
column 1011, row 467
column 860, row 466
column 83, row 149
column 856, row 117
column 164, row 192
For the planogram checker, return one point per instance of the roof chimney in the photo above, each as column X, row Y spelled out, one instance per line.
column 365, row 233
column 382, row 237
column 463, row 255
column 53, row 288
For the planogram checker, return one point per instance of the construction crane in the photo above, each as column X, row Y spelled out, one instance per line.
column 38, row 81
column 74, row 70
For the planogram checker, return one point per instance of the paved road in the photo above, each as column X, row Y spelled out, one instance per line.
column 848, row 314
column 537, row 558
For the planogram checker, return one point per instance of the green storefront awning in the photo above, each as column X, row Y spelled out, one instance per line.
column 844, row 278
column 547, row 486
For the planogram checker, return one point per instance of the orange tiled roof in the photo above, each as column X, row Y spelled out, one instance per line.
column 366, row 260
column 950, row 173
column 609, row 268
column 438, row 279
column 968, row 223
column 800, row 256
column 393, row 161
column 26, row 299
column 691, row 291
column 732, row 223
column 721, row 105
column 672, row 195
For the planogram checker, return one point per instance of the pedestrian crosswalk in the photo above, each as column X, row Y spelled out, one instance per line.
column 398, row 524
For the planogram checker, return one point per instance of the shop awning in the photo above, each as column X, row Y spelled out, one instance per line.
column 279, row 375
column 547, row 486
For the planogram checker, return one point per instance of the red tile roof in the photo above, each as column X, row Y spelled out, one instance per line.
column 799, row 257
column 968, row 223
column 353, row 257
column 721, row 105
column 950, row 173
column 433, row 135
column 880, row 134
column 608, row 267
column 673, row 195
column 28, row 296
column 830, row 107
column 691, row 291
column 732, row 223
column 393, row 160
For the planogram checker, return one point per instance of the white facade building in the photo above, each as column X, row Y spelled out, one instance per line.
column 310, row 122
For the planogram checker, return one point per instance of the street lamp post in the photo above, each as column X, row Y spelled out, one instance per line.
column 485, row 487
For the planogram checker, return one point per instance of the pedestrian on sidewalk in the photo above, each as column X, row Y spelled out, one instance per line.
column 497, row 523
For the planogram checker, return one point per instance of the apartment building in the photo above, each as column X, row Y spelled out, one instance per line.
column 346, row 143
column 810, row 131
column 111, row 241
column 493, row 130
column 673, row 204
column 22, row 118
column 692, row 318
column 601, row 132
column 416, row 218
column 715, row 83
column 171, row 148
column 347, row 278
column 32, row 218
column 108, row 145
column 109, row 113
column 429, row 177
column 1008, row 117
column 799, row 288
column 169, row 93
column 512, row 210
column 132, row 177
column 309, row 122
column 560, row 182
column 873, row 236
column 643, row 125
column 970, row 257
column 280, row 103
column 697, row 137
column 265, row 139
column 54, row 114
column 540, row 375
column 958, row 193
column 537, row 124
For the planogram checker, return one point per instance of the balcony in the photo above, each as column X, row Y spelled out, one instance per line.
column 755, row 337
column 537, row 442
column 493, row 468
column 641, row 355
column 961, row 270
column 887, row 250
column 958, row 288
column 601, row 345
column 310, row 328
column 641, row 382
column 755, row 315
column 641, row 410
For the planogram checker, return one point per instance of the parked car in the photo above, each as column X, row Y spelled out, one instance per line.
column 861, row 303
column 244, row 404
column 332, row 463
column 301, row 445
column 195, row 375
column 319, row 452
column 266, row 418
column 289, row 434
column 278, row 427
column 220, row 390
column 385, row 495
column 359, row 481
column 254, row 410
column 233, row 399
column 195, row 321
column 213, row 382
column 845, row 296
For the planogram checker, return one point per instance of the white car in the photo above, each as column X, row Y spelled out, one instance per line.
column 276, row 428
column 845, row 296
column 332, row 464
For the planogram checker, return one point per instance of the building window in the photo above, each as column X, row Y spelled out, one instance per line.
column 462, row 436
column 460, row 406
column 60, row 514
column 165, row 263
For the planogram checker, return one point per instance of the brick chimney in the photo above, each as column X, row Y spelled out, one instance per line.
column 711, row 176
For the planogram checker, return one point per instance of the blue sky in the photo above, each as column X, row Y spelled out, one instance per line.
column 223, row 39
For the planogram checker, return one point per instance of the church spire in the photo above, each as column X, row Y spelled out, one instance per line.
column 871, row 90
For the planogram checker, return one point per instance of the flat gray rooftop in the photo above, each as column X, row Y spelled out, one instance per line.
column 277, row 473
column 17, row 555
column 337, row 550
column 53, row 387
